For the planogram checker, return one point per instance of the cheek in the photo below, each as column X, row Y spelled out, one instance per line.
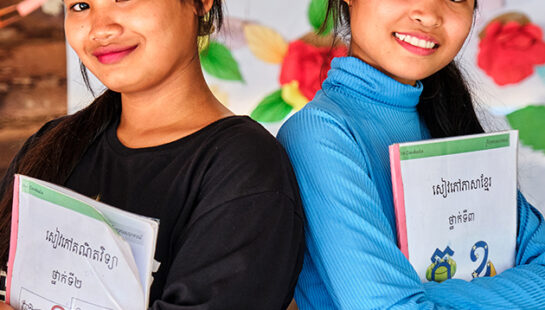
column 169, row 16
column 460, row 31
column 173, row 38
column 75, row 36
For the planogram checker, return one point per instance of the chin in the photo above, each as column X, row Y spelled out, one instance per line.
column 117, row 82
column 414, row 71
column 121, row 87
column 415, row 76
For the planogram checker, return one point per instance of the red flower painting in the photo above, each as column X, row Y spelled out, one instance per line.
column 304, row 63
column 510, row 52
column 308, row 65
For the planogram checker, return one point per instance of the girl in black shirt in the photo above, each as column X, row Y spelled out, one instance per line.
column 158, row 143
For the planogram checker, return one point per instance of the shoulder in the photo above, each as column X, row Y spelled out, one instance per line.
column 243, row 157
column 325, row 117
column 32, row 140
column 240, row 137
column 36, row 137
column 319, row 124
column 47, row 127
column 320, row 139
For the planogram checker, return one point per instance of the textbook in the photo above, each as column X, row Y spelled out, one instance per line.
column 68, row 251
column 456, row 204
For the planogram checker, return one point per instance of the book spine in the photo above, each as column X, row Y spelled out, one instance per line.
column 13, row 235
column 399, row 199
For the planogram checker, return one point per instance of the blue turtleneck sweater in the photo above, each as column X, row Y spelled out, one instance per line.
column 338, row 145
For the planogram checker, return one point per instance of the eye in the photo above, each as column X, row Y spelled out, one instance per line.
column 80, row 6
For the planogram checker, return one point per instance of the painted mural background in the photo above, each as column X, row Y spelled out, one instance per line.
column 505, row 61
column 268, row 61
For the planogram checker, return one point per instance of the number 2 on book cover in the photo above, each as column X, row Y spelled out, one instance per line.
column 443, row 265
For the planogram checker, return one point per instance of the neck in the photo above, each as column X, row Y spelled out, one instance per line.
column 357, row 52
column 365, row 82
column 177, row 107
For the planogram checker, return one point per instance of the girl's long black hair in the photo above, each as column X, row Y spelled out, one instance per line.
column 446, row 104
column 53, row 153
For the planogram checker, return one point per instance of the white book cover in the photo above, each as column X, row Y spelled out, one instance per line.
column 68, row 251
column 456, row 204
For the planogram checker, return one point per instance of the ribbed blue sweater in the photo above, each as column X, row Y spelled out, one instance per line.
column 338, row 145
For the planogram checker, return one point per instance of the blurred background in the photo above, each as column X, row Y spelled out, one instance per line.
column 268, row 62
column 32, row 77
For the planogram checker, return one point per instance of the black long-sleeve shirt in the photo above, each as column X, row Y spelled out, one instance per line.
column 231, row 222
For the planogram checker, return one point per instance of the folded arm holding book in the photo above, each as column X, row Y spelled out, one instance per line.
column 353, row 261
column 234, row 243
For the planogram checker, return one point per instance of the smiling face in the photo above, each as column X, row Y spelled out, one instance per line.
column 409, row 40
column 132, row 45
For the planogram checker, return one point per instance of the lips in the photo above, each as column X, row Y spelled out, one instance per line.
column 113, row 54
column 417, row 43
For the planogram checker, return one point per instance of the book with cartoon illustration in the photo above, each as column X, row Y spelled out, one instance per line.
column 456, row 204
column 68, row 251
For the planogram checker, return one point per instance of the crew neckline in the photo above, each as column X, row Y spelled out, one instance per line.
column 119, row 147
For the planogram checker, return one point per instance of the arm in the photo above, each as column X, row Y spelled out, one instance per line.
column 520, row 287
column 353, row 246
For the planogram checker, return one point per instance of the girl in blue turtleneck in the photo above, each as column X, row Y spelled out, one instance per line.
column 400, row 84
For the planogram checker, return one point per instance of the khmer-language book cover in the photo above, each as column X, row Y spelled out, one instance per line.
column 456, row 204
column 68, row 251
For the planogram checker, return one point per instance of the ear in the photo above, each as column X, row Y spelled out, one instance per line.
column 206, row 6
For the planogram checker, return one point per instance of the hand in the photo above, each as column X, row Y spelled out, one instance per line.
column 4, row 306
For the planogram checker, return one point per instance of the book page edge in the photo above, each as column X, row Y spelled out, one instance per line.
column 13, row 235
column 399, row 199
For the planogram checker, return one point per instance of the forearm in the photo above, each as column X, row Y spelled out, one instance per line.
column 520, row 287
column 357, row 258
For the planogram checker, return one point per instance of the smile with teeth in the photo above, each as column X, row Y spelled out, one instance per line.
column 416, row 41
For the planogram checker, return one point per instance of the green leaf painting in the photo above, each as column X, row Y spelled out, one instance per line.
column 530, row 122
column 271, row 109
column 218, row 61
column 316, row 14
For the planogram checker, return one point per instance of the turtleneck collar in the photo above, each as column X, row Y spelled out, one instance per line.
column 356, row 78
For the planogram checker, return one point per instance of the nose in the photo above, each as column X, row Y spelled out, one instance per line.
column 104, row 28
column 427, row 13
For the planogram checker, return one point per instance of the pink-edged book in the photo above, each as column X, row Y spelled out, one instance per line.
column 455, row 204
column 105, row 261
column 399, row 200
column 13, row 236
